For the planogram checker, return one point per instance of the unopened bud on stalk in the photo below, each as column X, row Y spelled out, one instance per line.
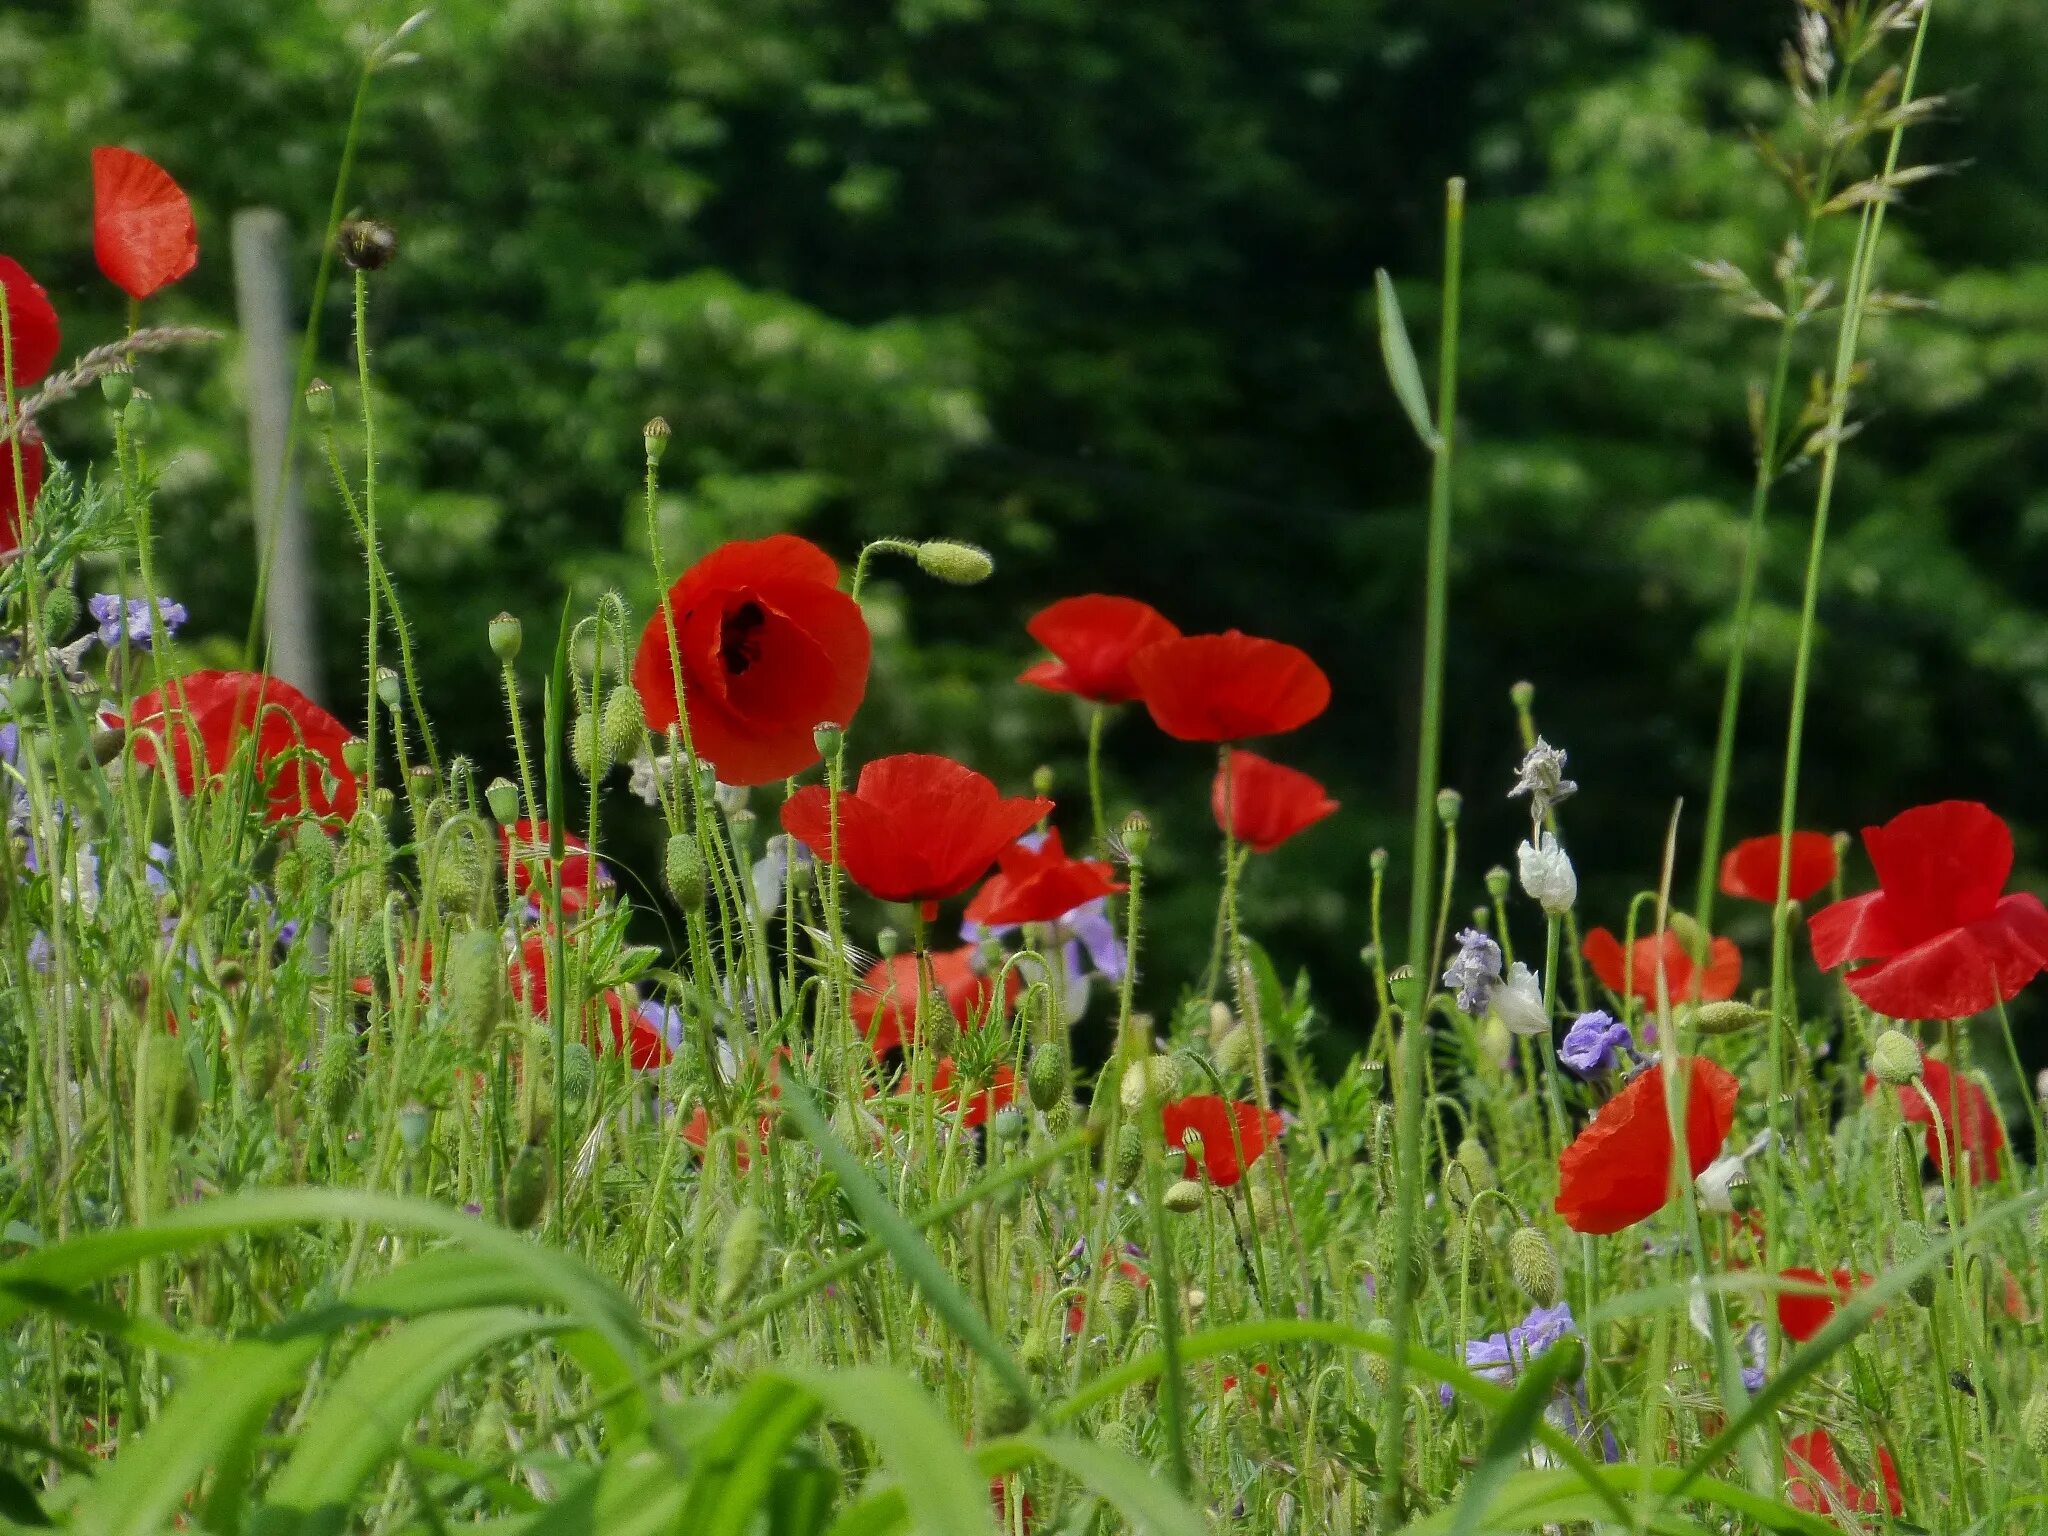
column 1041, row 779
column 1895, row 1059
column 654, row 438
column 60, row 613
column 1478, row 1166
column 589, row 748
column 739, row 1255
column 1045, row 1078
column 1184, row 1196
column 502, row 796
column 1129, row 1156
column 476, row 984
column 624, row 727
column 506, row 633
column 1149, row 1081
column 1522, row 696
column 526, row 1189
column 1533, row 1263
column 387, row 688
column 106, row 744
column 1377, row 1369
column 1235, row 1051
column 1910, row 1243
column 320, row 400
column 2034, row 1422
column 1379, row 861
column 334, row 1075
column 1727, row 1018
column 1498, row 882
column 1136, row 836
column 961, row 565
column 1120, row 1299
column 1448, row 804
column 682, row 870
column 366, row 245
column 116, row 387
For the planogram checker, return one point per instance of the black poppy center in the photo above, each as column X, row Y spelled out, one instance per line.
column 739, row 637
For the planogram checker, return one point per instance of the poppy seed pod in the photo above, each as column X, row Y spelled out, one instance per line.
column 320, row 400
column 1448, row 805
column 526, row 1189
column 654, row 438
column 506, row 634
column 1522, row 695
column 387, row 688
column 1895, row 1059
column 957, row 564
column 355, row 755
column 739, row 1255
column 502, row 796
column 1498, row 882
column 1533, row 1262
column 365, row 245
column 1184, row 1196
column 116, row 387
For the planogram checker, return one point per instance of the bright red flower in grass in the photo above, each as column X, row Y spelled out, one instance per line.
column 697, row 1133
column 1234, row 1135
column 297, row 743
column 1039, row 884
column 142, row 230
column 1094, row 639
column 1000, row 1093
column 1972, row 1122
column 770, row 649
column 916, row 828
column 525, row 844
column 1945, row 942
column 1262, row 803
column 618, row 1029
column 1815, row 1481
column 885, row 1002
column 1802, row 1314
column 17, row 501
column 1229, row 687
column 1618, row 1171
column 1632, row 972
column 1750, row 868
column 31, row 323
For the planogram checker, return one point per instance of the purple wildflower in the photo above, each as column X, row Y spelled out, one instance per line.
column 1589, row 1045
column 1475, row 971
column 134, row 620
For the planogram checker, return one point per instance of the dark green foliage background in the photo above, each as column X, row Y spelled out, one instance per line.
column 1090, row 284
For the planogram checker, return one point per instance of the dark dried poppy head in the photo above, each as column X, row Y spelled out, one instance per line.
column 365, row 245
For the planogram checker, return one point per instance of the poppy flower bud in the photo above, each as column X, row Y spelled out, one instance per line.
column 320, row 400
column 334, row 1076
column 412, row 1126
column 476, row 984
column 526, row 1189
column 506, row 633
column 116, row 387
column 1183, row 1197
column 625, row 725
column 1149, row 1081
column 502, row 796
column 366, row 245
column 1235, row 1051
column 958, row 564
column 1136, row 836
column 1448, row 804
column 181, row 1100
column 1120, row 1299
column 355, row 755
column 1129, row 1156
column 1478, row 1166
column 1909, row 1243
column 739, row 1255
column 1522, row 695
column 60, row 613
column 654, row 437
column 387, row 688
column 1533, row 1263
column 731, row 798
column 1045, row 1079
column 1379, row 861
column 1727, row 1018
column 1895, row 1059
column 1388, row 1255
column 1060, row 1118
column 1689, row 934
column 682, row 870
column 942, row 1026
column 1470, row 1248
column 827, row 736
column 2034, row 1423
column 1377, row 1370
column 587, row 746
column 1000, row 1411
column 1498, row 882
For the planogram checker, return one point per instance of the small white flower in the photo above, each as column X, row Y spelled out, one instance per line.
column 1518, row 1002
column 1547, row 875
column 1716, row 1186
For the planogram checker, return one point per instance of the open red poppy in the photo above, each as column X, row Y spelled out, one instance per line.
column 1094, row 639
column 916, row 828
column 1972, row 1119
column 770, row 649
column 297, row 743
column 1229, row 687
column 1262, row 803
column 1618, row 1170
column 142, row 230
column 1802, row 1314
column 1234, row 1135
column 17, row 501
column 525, row 844
column 885, row 1002
column 31, row 323
column 1039, row 885
column 1815, row 1481
column 1632, row 972
column 1945, row 942
column 1750, row 868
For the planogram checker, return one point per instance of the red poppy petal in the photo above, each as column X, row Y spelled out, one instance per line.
column 1858, row 928
column 1229, row 687
column 32, row 324
column 1940, row 865
column 1263, row 803
column 1604, row 953
column 1095, row 638
column 1723, row 972
column 16, row 502
column 142, row 230
column 1955, row 974
column 1750, row 868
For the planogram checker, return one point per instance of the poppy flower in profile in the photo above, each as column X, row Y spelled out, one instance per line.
column 769, row 649
column 1632, row 972
column 1233, row 1135
column 525, row 844
column 885, row 1002
column 17, row 501
column 298, row 744
column 1803, row 1313
column 1000, row 1093
column 1035, row 882
column 1972, row 1122
column 1945, row 942
column 1618, row 1170
column 1815, row 1481
column 31, row 324
column 1750, row 869
column 1229, row 687
column 1262, row 803
column 915, row 828
column 1093, row 640
column 142, row 231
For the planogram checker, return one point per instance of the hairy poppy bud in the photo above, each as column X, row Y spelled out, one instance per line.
column 1388, row 1255
column 739, row 1255
column 1000, row 1411
column 366, row 245
column 654, row 438
column 476, row 984
column 1136, row 836
column 1478, row 1166
column 1533, row 1263
column 502, row 796
column 1469, row 1248
column 1149, row 1081
column 587, row 746
column 1377, row 1370
column 526, row 1189
column 1727, row 1018
column 624, row 727
column 1060, row 1118
column 1910, row 1243
column 579, row 1071
column 320, row 400
column 961, row 565
column 1120, row 1299
column 1895, row 1059
column 1129, row 1156
column 334, row 1076
column 682, row 870
column 1045, row 1079
column 2034, row 1422
column 506, row 634
column 181, row 1099
column 60, row 613
column 1184, row 1196
column 1235, row 1051
column 106, row 745
column 1448, row 804
column 116, row 387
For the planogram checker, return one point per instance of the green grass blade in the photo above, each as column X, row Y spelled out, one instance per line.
column 1512, row 1429
column 1399, row 354
column 1533, row 1499
column 1135, row 1490
column 943, row 1492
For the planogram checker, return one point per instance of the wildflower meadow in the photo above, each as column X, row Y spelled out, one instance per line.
column 397, row 1146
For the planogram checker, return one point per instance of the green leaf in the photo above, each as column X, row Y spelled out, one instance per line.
column 1399, row 355
column 18, row 1502
column 1513, row 1427
column 1552, row 1496
column 1147, row 1502
column 943, row 1491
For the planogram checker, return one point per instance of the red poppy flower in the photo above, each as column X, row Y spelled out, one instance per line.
column 1039, row 885
column 1234, row 1135
column 142, row 231
column 1000, row 1093
column 1262, row 804
column 697, row 1133
column 1972, row 1119
column 1802, row 1314
column 1633, row 972
column 366, row 986
column 1618, row 1171
column 1750, row 868
column 1815, row 1481
column 1229, row 687
column 885, row 1002
column 616, row 1030
column 771, row 650
column 297, row 743
column 1095, row 639
column 916, row 827
column 1946, row 943
column 31, row 322
column 17, row 501
column 525, row 844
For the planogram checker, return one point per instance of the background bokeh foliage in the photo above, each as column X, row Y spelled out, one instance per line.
column 1090, row 285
